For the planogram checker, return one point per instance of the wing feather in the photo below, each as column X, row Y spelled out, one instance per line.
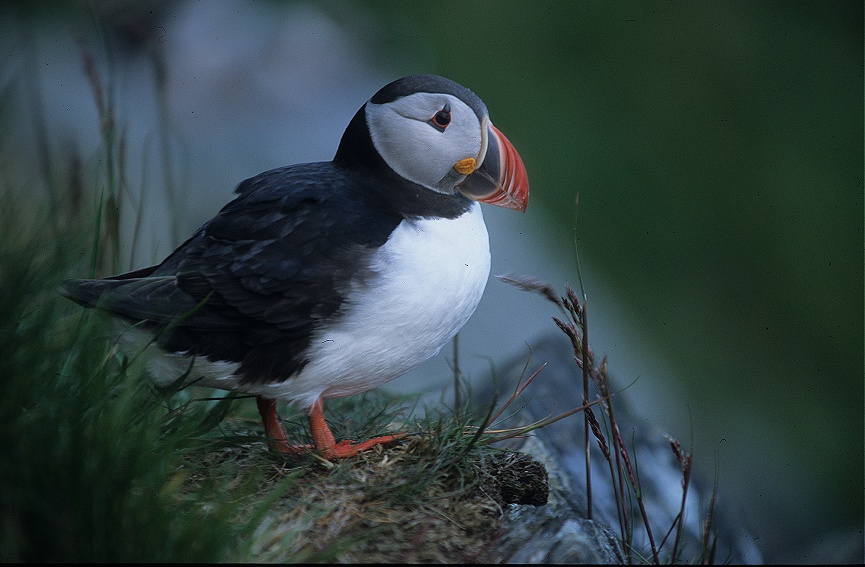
column 254, row 283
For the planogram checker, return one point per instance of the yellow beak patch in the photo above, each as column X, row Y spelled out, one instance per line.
column 466, row 166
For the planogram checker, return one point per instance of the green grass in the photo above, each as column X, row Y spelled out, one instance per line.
column 90, row 452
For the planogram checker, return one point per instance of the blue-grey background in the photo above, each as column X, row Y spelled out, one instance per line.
column 715, row 149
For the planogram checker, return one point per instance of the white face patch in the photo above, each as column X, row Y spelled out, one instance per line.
column 419, row 150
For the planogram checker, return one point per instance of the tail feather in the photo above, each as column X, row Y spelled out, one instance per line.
column 87, row 292
column 156, row 298
column 83, row 292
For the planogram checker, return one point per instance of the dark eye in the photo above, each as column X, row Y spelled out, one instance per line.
column 441, row 119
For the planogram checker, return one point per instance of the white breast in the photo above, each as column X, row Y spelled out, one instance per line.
column 431, row 275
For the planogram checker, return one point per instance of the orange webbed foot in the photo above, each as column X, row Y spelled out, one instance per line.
column 345, row 449
column 322, row 437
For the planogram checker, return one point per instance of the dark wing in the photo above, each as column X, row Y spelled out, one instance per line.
column 255, row 282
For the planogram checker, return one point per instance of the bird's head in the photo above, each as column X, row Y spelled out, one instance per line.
column 438, row 134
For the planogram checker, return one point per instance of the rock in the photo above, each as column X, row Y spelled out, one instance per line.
column 555, row 532
column 561, row 531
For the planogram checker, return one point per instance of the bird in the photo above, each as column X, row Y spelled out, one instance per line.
column 327, row 279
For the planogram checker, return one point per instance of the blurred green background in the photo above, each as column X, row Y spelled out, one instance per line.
column 717, row 151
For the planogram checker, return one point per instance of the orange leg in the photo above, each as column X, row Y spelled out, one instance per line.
column 273, row 430
column 322, row 438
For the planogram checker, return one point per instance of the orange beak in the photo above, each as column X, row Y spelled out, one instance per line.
column 501, row 179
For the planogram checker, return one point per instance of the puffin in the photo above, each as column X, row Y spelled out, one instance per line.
column 327, row 279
